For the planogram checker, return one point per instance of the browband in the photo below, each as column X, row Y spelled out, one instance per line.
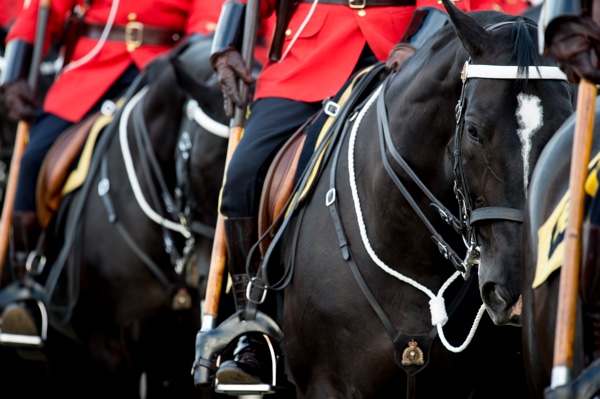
column 511, row 72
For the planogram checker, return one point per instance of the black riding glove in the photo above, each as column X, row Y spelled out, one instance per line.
column 572, row 44
column 20, row 100
column 230, row 66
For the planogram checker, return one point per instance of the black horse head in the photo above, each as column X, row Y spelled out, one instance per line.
column 503, row 135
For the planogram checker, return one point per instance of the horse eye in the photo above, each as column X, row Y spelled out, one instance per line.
column 472, row 132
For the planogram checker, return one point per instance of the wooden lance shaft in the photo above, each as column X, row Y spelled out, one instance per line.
column 569, row 274
column 219, row 252
column 22, row 132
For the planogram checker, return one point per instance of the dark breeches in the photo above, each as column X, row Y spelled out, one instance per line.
column 272, row 121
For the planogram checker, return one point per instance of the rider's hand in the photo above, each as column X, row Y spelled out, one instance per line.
column 229, row 65
column 20, row 100
column 572, row 44
column 399, row 53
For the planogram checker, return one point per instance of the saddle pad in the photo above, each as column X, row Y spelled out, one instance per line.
column 551, row 246
column 56, row 166
column 341, row 100
column 56, row 178
column 78, row 175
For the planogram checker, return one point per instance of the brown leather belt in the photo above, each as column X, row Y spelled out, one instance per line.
column 134, row 34
column 366, row 3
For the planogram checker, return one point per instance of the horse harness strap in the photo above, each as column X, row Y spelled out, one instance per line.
column 326, row 147
column 386, row 141
column 112, row 218
column 148, row 162
column 103, row 191
column 399, row 340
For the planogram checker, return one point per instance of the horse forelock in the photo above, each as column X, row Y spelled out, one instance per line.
column 525, row 51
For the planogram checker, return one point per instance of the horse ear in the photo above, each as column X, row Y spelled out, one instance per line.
column 473, row 36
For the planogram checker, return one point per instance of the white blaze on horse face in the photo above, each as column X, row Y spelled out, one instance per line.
column 529, row 116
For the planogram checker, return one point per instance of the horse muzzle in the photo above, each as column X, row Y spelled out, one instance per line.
column 503, row 310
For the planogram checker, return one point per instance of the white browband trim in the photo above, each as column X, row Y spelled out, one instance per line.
column 510, row 72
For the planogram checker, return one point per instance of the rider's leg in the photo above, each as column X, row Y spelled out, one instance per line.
column 43, row 132
column 250, row 353
column 272, row 121
column 18, row 317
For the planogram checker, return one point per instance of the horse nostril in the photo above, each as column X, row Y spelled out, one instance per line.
column 494, row 296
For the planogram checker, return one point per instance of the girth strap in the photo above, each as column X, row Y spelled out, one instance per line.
column 112, row 218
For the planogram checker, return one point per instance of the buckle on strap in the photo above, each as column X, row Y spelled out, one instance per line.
column 134, row 34
column 331, row 108
column 357, row 3
column 256, row 291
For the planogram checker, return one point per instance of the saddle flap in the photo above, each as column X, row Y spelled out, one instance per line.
column 278, row 187
column 56, row 167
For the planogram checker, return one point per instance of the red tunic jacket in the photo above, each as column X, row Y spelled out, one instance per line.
column 325, row 52
column 76, row 90
column 10, row 10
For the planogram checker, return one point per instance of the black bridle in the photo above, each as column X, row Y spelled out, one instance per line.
column 170, row 205
column 464, row 224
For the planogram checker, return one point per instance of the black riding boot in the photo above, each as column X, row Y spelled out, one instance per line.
column 17, row 318
column 251, row 355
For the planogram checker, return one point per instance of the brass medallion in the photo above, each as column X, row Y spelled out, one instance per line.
column 412, row 355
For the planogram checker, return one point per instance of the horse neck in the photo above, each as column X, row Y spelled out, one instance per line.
column 163, row 105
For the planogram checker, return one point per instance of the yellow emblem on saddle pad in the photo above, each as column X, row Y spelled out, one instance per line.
column 551, row 246
column 412, row 355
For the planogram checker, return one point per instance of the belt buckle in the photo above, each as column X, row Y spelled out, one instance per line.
column 357, row 3
column 134, row 33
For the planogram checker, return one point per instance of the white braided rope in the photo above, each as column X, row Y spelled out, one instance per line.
column 135, row 185
column 437, row 306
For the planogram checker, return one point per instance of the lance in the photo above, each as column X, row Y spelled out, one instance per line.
column 22, row 131
column 219, row 251
column 569, row 274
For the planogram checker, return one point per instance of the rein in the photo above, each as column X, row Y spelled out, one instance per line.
column 71, row 231
column 180, row 220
